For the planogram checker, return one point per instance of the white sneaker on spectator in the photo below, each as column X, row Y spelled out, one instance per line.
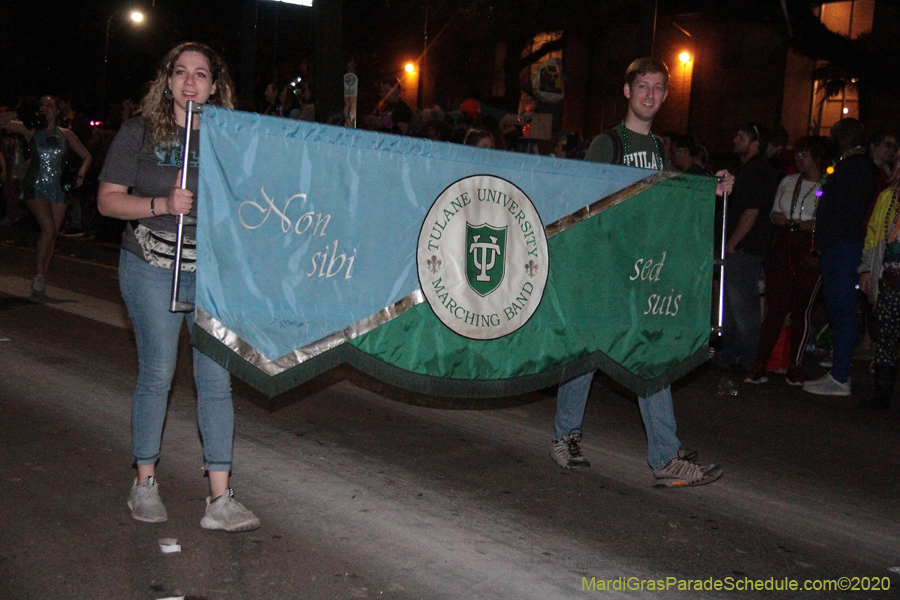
column 827, row 386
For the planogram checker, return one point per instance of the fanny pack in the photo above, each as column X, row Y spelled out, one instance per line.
column 158, row 248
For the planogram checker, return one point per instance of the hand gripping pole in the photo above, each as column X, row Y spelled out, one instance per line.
column 175, row 306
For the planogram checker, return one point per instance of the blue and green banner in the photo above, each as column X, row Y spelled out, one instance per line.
column 441, row 268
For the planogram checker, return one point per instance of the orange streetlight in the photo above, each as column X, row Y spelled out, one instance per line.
column 685, row 58
column 410, row 88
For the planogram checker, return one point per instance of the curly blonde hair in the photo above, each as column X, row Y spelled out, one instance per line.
column 159, row 111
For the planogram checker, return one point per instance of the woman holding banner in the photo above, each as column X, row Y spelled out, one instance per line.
column 140, row 184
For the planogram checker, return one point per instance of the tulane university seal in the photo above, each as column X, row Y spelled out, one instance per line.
column 482, row 257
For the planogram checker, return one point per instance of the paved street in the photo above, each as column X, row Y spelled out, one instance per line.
column 365, row 491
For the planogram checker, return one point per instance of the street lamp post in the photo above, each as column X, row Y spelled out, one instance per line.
column 684, row 58
column 136, row 16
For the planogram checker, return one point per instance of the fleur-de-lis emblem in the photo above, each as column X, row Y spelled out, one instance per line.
column 531, row 268
column 434, row 263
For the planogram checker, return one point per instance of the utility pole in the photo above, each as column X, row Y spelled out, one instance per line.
column 247, row 81
column 647, row 34
column 328, row 16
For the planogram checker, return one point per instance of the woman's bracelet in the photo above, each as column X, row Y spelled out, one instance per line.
column 152, row 207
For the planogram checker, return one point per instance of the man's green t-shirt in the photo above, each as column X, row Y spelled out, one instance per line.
column 642, row 150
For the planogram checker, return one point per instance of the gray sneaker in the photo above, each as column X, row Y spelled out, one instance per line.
column 228, row 514
column 683, row 471
column 144, row 502
column 38, row 285
column 827, row 386
column 567, row 452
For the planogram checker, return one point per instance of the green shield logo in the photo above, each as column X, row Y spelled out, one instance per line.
column 485, row 257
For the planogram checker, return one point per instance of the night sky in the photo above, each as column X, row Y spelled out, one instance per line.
column 52, row 46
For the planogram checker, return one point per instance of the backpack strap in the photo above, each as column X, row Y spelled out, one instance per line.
column 618, row 145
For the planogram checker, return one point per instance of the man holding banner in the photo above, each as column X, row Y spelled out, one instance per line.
column 631, row 143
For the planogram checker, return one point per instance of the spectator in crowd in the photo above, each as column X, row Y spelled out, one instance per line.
column 701, row 157
column 48, row 144
column 883, row 148
column 839, row 236
column 303, row 91
column 290, row 103
column 792, row 272
column 271, row 107
column 4, row 220
column 140, row 184
column 468, row 116
column 778, row 154
column 392, row 113
column 684, row 155
column 879, row 272
column 79, row 200
column 489, row 123
column 665, row 141
column 14, row 155
column 747, row 240
column 479, row 138
column 437, row 130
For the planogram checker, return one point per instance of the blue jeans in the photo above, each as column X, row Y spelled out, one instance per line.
column 839, row 280
column 740, row 336
column 656, row 410
column 147, row 291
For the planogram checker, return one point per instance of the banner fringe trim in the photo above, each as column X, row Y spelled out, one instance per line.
column 435, row 386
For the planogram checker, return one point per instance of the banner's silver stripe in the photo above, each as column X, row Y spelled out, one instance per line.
column 274, row 367
column 599, row 206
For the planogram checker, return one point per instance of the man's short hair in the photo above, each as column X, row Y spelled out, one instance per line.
column 645, row 65
column 756, row 133
column 684, row 140
column 849, row 132
column 779, row 136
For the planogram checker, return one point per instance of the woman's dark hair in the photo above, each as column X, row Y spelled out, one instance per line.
column 819, row 149
column 290, row 101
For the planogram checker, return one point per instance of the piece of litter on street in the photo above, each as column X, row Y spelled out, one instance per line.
column 169, row 545
column 173, row 598
column 894, row 569
column 4, row 339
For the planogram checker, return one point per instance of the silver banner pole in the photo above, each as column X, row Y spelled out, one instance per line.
column 721, row 264
column 175, row 306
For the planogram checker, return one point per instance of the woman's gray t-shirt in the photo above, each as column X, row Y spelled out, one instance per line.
column 135, row 161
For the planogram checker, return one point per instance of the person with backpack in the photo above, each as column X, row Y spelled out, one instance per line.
column 631, row 143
